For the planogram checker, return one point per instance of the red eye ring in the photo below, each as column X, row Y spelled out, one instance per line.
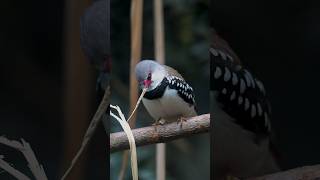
column 148, row 81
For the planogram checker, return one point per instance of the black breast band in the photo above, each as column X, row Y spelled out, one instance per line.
column 158, row 91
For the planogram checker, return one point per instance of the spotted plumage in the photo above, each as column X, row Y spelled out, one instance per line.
column 231, row 81
column 242, row 143
column 168, row 95
column 175, row 83
column 184, row 90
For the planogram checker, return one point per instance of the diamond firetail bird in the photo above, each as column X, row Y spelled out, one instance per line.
column 169, row 96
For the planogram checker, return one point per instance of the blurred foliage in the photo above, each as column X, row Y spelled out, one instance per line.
column 186, row 43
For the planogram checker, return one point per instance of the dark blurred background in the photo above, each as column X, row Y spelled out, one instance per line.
column 47, row 93
column 280, row 42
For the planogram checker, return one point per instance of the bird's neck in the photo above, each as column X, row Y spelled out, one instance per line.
column 158, row 90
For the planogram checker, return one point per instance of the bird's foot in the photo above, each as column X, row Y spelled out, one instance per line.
column 159, row 122
column 181, row 120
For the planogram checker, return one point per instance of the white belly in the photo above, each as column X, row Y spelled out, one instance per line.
column 169, row 107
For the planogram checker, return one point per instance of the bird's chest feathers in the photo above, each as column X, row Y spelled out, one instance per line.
column 168, row 106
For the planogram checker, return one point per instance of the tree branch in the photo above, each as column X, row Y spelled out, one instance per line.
column 161, row 133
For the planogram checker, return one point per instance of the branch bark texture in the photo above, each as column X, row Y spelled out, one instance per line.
column 161, row 133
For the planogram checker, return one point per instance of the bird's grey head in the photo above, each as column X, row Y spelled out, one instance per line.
column 149, row 74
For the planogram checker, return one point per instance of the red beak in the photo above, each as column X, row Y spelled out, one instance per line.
column 147, row 83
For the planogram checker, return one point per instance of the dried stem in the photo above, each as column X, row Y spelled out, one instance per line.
column 24, row 147
column 137, row 104
column 91, row 129
column 15, row 173
column 126, row 127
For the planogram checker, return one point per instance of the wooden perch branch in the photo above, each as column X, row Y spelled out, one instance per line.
column 161, row 133
column 305, row 173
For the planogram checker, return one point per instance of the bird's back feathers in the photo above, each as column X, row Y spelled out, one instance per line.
column 172, row 72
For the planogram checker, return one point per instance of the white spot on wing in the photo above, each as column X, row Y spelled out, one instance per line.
column 231, row 58
column 217, row 73
column 250, row 78
column 224, row 91
column 242, row 86
column 246, row 104
column 260, row 86
column 227, row 75
column 247, row 78
column 214, row 52
column 223, row 55
column 234, row 79
column 233, row 95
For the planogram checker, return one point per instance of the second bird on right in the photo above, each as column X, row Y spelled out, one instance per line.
column 240, row 113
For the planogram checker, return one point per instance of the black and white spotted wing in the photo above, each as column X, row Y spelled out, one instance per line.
column 184, row 90
column 239, row 93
